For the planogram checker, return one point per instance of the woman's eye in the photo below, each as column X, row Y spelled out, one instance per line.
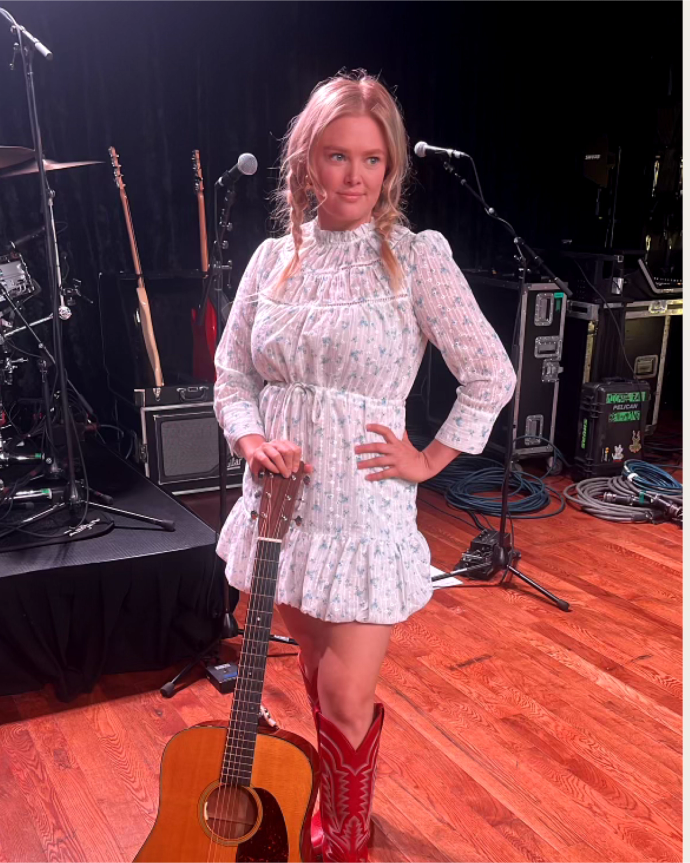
column 374, row 160
column 337, row 156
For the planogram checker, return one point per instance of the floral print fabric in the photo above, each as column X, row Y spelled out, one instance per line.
column 336, row 351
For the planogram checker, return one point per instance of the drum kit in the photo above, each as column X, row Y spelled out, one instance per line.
column 17, row 288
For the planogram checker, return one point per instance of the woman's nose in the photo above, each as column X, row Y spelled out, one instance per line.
column 354, row 174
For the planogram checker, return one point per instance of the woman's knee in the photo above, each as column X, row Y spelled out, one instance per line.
column 307, row 632
column 345, row 699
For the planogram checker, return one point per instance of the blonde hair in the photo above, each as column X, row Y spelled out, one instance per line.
column 347, row 94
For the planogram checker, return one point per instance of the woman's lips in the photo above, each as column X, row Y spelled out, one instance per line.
column 353, row 197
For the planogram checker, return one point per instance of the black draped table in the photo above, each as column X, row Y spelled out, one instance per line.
column 136, row 598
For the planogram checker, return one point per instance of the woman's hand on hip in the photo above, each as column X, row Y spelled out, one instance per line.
column 400, row 458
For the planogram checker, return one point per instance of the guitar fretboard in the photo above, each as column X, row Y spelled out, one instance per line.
column 240, row 744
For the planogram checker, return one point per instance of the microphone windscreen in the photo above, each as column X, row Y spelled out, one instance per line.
column 420, row 149
column 247, row 164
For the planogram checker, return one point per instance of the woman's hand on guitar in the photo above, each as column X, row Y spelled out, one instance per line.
column 277, row 456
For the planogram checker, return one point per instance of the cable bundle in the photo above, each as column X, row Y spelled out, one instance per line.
column 651, row 477
column 466, row 481
column 644, row 493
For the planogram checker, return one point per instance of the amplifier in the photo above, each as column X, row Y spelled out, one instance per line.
column 541, row 320
column 177, row 439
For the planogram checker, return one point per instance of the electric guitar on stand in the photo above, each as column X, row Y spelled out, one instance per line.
column 242, row 792
column 144, row 308
column 204, row 318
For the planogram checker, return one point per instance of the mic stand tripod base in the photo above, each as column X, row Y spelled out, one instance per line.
column 499, row 558
column 75, row 503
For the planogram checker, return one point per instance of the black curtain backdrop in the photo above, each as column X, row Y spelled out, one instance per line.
column 525, row 87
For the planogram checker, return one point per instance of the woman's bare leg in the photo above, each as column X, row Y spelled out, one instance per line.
column 348, row 657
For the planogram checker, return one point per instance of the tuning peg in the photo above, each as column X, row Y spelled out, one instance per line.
column 307, row 479
column 298, row 521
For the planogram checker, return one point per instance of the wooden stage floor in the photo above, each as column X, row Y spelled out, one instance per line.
column 513, row 731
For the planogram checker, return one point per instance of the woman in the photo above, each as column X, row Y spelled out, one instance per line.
column 335, row 316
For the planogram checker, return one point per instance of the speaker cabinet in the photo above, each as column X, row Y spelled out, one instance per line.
column 177, row 445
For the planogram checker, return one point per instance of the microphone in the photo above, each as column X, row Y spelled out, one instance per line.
column 13, row 458
column 246, row 164
column 422, row 149
column 25, row 239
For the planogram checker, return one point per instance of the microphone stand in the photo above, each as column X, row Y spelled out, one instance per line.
column 493, row 551
column 72, row 498
column 219, row 273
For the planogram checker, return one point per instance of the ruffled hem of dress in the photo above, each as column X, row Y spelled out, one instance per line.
column 337, row 579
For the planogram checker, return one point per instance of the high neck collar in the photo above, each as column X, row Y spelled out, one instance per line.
column 323, row 237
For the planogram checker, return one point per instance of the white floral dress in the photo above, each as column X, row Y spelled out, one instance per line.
column 339, row 351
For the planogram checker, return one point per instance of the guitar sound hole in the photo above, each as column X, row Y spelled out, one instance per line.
column 230, row 812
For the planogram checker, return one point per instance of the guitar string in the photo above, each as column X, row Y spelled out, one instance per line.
column 229, row 774
column 261, row 564
column 230, row 771
column 258, row 571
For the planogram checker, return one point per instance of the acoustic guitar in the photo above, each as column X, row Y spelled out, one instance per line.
column 204, row 318
column 242, row 793
column 144, row 308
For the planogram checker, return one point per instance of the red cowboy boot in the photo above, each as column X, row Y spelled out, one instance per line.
column 313, row 696
column 348, row 777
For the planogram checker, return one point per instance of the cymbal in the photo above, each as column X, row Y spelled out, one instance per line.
column 32, row 167
column 10, row 156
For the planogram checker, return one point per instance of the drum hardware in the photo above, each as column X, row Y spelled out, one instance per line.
column 76, row 500
column 15, row 278
column 15, row 330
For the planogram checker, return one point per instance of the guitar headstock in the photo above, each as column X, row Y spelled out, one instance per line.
column 115, row 162
column 196, row 171
column 278, row 501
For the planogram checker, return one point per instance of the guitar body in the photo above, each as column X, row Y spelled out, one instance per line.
column 204, row 333
column 272, row 817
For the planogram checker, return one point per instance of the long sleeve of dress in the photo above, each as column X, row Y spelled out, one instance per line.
column 449, row 316
column 238, row 383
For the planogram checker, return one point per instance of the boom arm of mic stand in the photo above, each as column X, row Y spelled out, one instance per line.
column 529, row 254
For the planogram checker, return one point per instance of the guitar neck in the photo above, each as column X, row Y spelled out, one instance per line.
column 144, row 308
column 203, row 237
column 240, row 743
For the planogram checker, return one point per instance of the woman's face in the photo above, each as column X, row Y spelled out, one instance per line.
column 350, row 162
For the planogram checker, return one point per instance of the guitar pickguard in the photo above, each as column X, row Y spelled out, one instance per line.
column 270, row 842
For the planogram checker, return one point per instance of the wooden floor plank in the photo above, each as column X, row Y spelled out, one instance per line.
column 513, row 731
